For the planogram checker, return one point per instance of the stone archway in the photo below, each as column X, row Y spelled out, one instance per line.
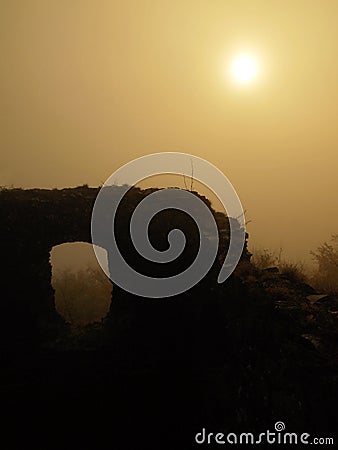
column 32, row 222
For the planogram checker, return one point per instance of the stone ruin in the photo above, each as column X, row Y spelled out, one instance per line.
column 33, row 222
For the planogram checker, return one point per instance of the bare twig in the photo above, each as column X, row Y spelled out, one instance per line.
column 192, row 176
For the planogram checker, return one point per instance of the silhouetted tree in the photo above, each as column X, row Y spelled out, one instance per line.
column 82, row 297
column 326, row 256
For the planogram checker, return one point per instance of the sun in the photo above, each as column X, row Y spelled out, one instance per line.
column 244, row 69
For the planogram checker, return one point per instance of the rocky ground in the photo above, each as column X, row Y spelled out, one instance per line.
column 259, row 350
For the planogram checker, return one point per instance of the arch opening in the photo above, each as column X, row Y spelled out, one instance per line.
column 82, row 290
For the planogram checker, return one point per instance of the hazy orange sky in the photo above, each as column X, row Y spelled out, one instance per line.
column 87, row 86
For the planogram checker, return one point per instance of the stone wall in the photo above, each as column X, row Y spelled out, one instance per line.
column 32, row 222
